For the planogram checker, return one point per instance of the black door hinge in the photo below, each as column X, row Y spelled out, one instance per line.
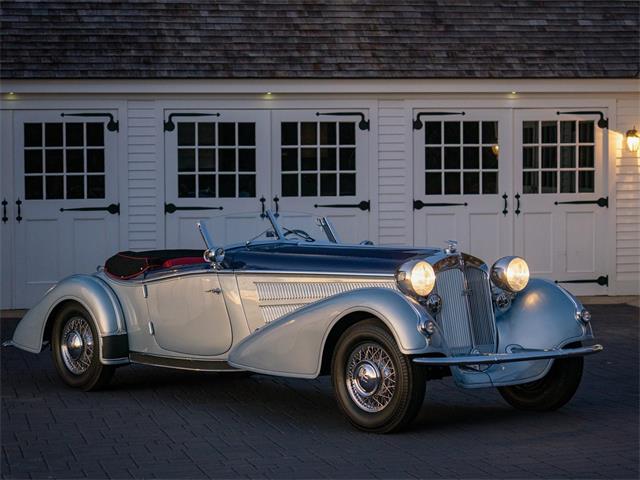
column 169, row 126
column 419, row 204
column 602, row 202
column 363, row 124
column 417, row 123
column 602, row 121
column 364, row 205
column 112, row 209
column 112, row 125
column 172, row 208
column 602, row 280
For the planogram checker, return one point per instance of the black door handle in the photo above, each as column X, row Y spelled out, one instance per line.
column 276, row 200
column 112, row 209
column 262, row 200
column 517, row 204
column 419, row 204
column 364, row 205
column 19, row 217
column 4, row 211
column 504, row 210
column 172, row 208
column 602, row 202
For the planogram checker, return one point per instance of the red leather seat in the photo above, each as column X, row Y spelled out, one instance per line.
column 174, row 262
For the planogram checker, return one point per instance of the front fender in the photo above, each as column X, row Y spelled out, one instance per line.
column 87, row 290
column 293, row 345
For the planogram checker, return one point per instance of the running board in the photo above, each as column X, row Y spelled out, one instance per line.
column 182, row 363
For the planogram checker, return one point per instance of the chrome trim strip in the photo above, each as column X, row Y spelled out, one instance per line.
column 324, row 274
column 180, row 363
column 518, row 355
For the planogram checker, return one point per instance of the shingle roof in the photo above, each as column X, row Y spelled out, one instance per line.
column 320, row 39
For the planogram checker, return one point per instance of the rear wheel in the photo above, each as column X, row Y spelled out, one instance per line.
column 74, row 345
column 376, row 386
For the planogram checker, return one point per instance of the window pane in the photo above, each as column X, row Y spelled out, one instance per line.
column 75, row 160
column 247, row 160
column 471, row 132
column 53, row 186
column 433, row 183
column 308, row 132
column 586, row 132
column 289, row 133
column 549, row 157
column 95, row 186
column 489, row 158
column 247, row 134
column 529, row 132
column 568, row 132
column 529, row 157
column 206, row 159
column 53, row 161
column 489, row 132
column 567, row 157
column 186, row 134
column 530, row 182
column 309, row 184
column 206, row 134
column 490, row 182
column 549, row 182
column 75, row 134
column 347, row 133
column 347, row 159
column 451, row 132
column 451, row 158
column 289, row 159
column 206, row 186
column 75, row 186
column 95, row 134
column 227, row 161
column 328, row 133
column 471, row 157
column 186, row 159
column 328, row 158
column 347, row 184
column 586, row 157
column 247, row 186
column 289, row 185
column 53, row 134
column 433, row 158
column 95, row 160
column 549, row 132
column 33, row 188
column 309, row 160
column 567, row 182
column 186, row 186
column 471, row 183
column 33, row 161
column 451, row 183
column 32, row 134
column 432, row 133
column 227, row 186
column 585, row 181
column 328, row 184
column 226, row 133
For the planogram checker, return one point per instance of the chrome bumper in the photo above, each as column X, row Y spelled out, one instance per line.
column 516, row 355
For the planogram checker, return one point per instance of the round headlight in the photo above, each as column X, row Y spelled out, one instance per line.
column 416, row 277
column 510, row 273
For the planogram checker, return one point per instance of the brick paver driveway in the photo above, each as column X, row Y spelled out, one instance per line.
column 172, row 424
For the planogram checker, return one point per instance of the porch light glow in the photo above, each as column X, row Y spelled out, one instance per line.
column 633, row 139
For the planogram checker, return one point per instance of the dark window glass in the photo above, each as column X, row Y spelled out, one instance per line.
column 227, row 186
column 586, row 157
column 33, row 161
column 75, row 134
column 75, row 186
column 226, row 161
column 246, row 186
column 75, row 161
column 226, row 133
column 451, row 183
column 53, row 161
column 53, row 134
column 549, row 181
column 585, row 181
column 489, row 132
column 206, row 134
column 433, row 158
column 471, row 132
column 206, row 186
column 567, row 182
column 451, row 158
column 471, row 183
column 328, row 158
column 33, row 188
column 549, row 132
column 489, row 158
column 95, row 186
column 32, row 134
column 347, row 133
column 529, row 132
column 95, row 160
column 186, row 134
column 567, row 132
column 95, row 134
column 529, row 157
column 309, row 160
column 289, row 159
column 347, row 159
column 432, row 133
column 186, row 186
column 247, row 160
column 471, row 158
column 347, row 184
column 530, row 182
column 186, row 159
column 53, row 186
column 247, row 134
column 327, row 133
column 309, row 184
column 206, row 159
column 451, row 132
column 290, row 185
column 308, row 133
column 433, row 183
column 586, row 132
column 549, row 157
column 490, row 182
column 328, row 184
column 289, row 133
column 567, row 157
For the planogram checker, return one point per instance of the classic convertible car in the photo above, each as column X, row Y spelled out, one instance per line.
column 296, row 302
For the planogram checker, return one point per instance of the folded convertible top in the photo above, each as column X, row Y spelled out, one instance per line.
column 125, row 265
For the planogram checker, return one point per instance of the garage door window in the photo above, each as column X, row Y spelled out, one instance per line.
column 461, row 158
column 216, row 159
column 558, row 156
column 64, row 160
column 318, row 159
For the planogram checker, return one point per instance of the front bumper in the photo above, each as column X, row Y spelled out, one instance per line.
column 516, row 355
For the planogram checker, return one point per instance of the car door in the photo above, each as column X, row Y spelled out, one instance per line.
column 188, row 315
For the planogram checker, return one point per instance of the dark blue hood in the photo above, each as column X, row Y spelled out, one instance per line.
column 321, row 258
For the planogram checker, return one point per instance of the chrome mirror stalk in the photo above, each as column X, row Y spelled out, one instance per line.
column 328, row 228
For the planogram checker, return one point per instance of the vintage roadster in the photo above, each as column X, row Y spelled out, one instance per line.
column 296, row 302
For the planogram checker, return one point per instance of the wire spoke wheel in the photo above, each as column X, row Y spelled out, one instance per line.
column 370, row 377
column 77, row 345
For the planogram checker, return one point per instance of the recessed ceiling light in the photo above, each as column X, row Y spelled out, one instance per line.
column 268, row 93
column 513, row 92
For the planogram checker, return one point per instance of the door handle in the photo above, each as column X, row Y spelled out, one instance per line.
column 112, row 209
column 172, row 208
column 276, row 200
column 216, row 290
column 19, row 217
column 262, row 200
column 504, row 210
column 364, row 205
column 517, row 211
column 4, row 211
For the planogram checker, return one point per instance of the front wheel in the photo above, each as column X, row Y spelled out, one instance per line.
column 551, row 392
column 377, row 387
column 74, row 345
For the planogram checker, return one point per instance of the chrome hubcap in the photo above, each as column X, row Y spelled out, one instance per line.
column 76, row 345
column 370, row 377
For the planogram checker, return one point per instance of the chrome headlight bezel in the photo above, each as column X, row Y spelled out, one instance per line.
column 406, row 272
column 500, row 274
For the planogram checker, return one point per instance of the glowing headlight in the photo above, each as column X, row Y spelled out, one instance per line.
column 416, row 278
column 510, row 273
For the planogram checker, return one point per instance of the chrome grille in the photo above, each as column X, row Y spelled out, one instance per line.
column 466, row 318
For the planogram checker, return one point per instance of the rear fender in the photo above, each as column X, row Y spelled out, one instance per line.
column 293, row 345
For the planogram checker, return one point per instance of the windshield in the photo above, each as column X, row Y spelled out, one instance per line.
column 297, row 226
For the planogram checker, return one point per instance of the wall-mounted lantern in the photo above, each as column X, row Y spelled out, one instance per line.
column 633, row 139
